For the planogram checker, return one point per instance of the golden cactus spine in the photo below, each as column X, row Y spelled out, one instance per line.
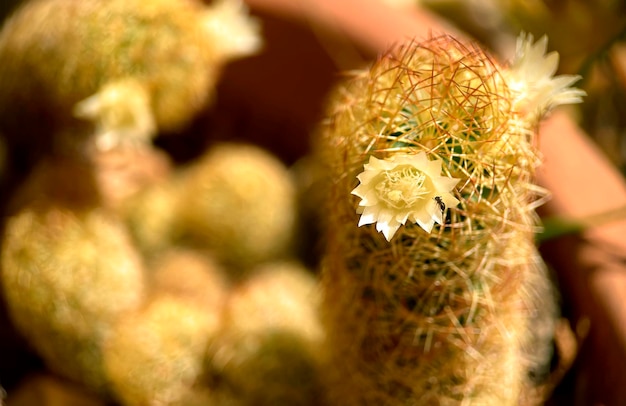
column 440, row 317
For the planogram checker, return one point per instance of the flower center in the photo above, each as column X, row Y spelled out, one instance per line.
column 403, row 187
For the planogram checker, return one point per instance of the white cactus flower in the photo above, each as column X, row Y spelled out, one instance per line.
column 121, row 112
column 234, row 32
column 403, row 187
column 531, row 79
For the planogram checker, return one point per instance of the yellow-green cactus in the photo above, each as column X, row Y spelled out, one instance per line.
column 151, row 216
column 46, row 389
column 155, row 356
column 131, row 66
column 434, row 146
column 268, row 351
column 69, row 271
column 212, row 204
column 238, row 201
column 189, row 275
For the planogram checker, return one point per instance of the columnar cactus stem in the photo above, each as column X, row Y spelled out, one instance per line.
column 425, row 313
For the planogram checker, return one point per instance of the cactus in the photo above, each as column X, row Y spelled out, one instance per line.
column 150, row 215
column 210, row 204
column 189, row 275
column 238, row 201
column 155, row 355
column 133, row 67
column 69, row 271
column 267, row 353
column 425, row 313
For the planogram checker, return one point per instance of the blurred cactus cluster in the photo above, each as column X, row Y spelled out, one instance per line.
column 128, row 277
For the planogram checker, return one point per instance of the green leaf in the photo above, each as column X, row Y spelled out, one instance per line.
column 555, row 227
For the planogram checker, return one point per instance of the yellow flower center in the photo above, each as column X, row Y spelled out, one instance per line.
column 403, row 187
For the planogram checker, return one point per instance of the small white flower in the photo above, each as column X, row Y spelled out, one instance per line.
column 121, row 112
column 234, row 32
column 401, row 188
column 531, row 79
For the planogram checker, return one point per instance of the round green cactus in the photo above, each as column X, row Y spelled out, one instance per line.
column 268, row 351
column 131, row 66
column 155, row 355
column 238, row 201
column 69, row 271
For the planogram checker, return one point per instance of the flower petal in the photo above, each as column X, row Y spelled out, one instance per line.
column 532, row 82
column 369, row 216
column 449, row 200
column 426, row 225
column 391, row 195
column 388, row 229
column 402, row 217
column 433, row 168
column 443, row 184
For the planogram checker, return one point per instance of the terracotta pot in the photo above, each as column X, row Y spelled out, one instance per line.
column 590, row 266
